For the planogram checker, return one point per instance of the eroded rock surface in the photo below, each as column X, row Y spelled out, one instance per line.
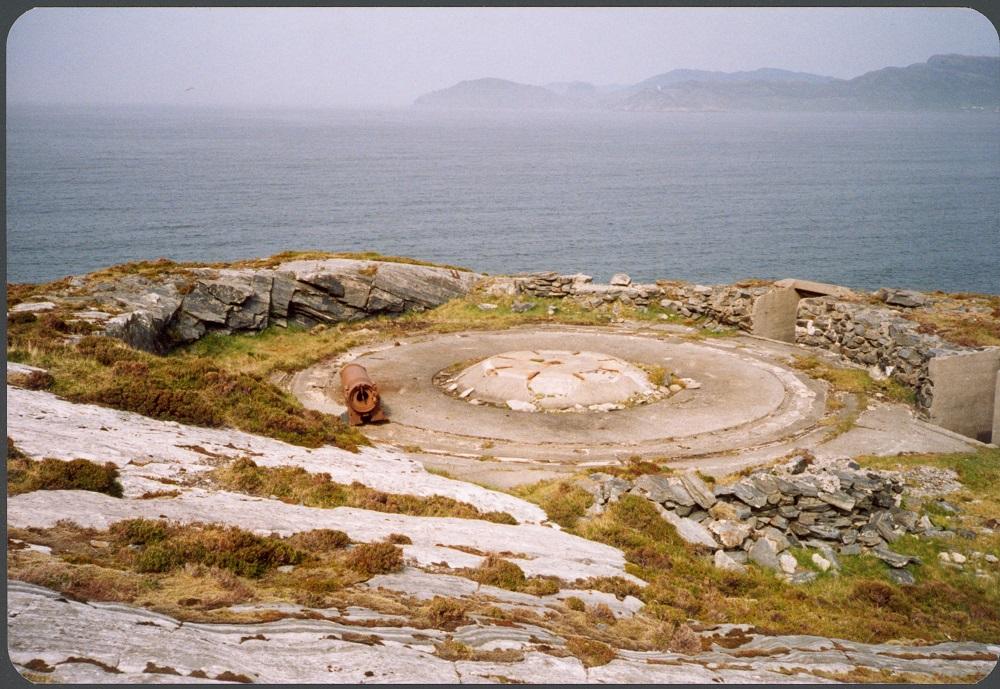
column 111, row 643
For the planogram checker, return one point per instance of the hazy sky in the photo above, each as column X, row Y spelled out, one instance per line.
column 357, row 57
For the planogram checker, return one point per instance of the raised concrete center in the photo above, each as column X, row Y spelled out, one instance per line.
column 547, row 379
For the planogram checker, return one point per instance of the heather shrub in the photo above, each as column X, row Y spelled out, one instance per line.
column 25, row 475
column 375, row 558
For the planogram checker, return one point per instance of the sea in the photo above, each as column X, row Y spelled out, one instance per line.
column 858, row 199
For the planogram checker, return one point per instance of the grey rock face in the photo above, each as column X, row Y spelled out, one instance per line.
column 750, row 494
column 248, row 300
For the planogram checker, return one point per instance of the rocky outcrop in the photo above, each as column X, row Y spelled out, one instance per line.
column 180, row 310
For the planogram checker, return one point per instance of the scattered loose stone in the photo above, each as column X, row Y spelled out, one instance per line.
column 958, row 558
column 903, row 577
column 487, row 307
column 821, row 562
column 787, row 563
column 726, row 562
column 520, row 405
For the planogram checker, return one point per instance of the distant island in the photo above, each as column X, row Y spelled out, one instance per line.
column 943, row 82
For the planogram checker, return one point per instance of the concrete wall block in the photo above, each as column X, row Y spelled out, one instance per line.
column 964, row 387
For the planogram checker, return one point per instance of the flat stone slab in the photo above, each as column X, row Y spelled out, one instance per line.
column 554, row 379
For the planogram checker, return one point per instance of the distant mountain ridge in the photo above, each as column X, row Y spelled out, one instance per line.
column 943, row 82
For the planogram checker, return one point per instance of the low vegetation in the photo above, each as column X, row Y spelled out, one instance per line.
column 192, row 390
column 971, row 320
column 25, row 475
column 375, row 558
column 861, row 603
column 591, row 653
column 853, row 380
column 297, row 486
column 848, row 381
column 564, row 503
column 497, row 571
column 157, row 546
column 195, row 571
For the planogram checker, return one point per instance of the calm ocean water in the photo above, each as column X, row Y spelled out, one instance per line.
column 863, row 200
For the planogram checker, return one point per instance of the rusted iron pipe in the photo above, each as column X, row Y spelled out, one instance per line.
column 360, row 395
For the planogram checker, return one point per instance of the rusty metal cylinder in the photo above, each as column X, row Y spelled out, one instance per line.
column 360, row 395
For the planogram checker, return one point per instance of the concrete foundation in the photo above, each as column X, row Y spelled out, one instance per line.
column 965, row 390
column 774, row 314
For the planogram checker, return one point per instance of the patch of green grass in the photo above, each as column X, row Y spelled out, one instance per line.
column 297, row 486
column 563, row 502
column 979, row 471
column 25, row 475
column 853, row 380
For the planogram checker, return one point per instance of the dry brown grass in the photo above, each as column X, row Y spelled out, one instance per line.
column 591, row 653
column 446, row 613
column 319, row 540
column 450, row 649
column 970, row 320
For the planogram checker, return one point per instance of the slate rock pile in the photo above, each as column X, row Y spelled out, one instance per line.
column 833, row 506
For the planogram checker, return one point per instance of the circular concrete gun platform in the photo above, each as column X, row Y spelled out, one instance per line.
column 739, row 398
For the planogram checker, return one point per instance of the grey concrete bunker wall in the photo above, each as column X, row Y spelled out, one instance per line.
column 965, row 391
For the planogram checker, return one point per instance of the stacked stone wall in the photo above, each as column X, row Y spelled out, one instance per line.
column 874, row 337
